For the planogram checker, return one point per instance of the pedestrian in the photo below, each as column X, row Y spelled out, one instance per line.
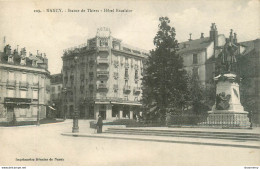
column 99, row 124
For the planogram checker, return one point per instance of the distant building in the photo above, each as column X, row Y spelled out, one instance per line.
column 56, row 95
column 24, row 85
column 252, row 70
column 199, row 55
column 200, row 58
column 108, row 78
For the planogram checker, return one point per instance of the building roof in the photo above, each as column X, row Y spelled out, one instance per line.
column 197, row 44
column 251, row 46
column 56, row 78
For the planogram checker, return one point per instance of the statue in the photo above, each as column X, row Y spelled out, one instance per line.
column 228, row 57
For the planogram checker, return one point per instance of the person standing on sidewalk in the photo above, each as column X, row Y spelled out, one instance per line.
column 99, row 124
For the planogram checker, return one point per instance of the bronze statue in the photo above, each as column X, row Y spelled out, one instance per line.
column 222, row 101
column 228, row 57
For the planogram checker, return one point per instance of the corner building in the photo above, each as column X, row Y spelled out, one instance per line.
column 106, row 77
column 24, row 85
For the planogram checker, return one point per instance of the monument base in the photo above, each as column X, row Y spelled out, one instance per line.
column 228, row 119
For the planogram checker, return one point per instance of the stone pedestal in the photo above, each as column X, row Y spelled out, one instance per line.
column 228, row 111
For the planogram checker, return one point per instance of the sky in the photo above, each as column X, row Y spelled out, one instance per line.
column 51, row 33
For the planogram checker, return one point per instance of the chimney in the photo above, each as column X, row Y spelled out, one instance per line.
column 235, row 38
column 37, row 52
column 190, row 37
column 231, row 36
column 201, row 35
column 213, row 34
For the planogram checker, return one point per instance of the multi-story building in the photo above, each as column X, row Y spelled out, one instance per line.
column 56, row 95
column 199, row 55
column 107, row 77
column 24, row 85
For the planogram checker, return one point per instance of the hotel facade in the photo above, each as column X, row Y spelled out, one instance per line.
column 24, row 85
column 103, row 77
column 105, row 80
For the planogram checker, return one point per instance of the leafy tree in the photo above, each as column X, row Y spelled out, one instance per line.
column 165, row 80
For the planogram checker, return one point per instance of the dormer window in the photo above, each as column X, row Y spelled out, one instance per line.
column 10, row 59
column 23, row 61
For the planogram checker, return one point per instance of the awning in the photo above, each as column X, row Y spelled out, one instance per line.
column 51, row 108
column 135, row 104
column 102, row 102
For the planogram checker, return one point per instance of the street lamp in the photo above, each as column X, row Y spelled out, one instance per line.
column 75, row 128
column 64, row 91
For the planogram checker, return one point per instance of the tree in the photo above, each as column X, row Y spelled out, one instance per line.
column 165, row 80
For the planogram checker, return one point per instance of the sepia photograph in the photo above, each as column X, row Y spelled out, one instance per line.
column 129, row 83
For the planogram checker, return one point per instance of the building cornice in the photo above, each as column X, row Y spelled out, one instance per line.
column 24, row 68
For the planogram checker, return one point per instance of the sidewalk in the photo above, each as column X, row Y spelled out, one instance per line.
column 180, row 140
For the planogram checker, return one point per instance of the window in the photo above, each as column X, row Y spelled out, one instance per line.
column 11, row 76
column 103, row 42
column 126, row 98
column 195, row 59
column 53, row 89
column 35, row 94
column 10, row 93
column 35, row 79
column 23, row 79
column 23, row 94
column 126, row 72
column 136, row 74
column 59, row 88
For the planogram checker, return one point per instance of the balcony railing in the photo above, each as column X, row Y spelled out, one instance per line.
column 11, row 83
column 102, row 61
column 137, row 90
column 115, row 75
column 126, row 65
column 23, row 85
column 126, row 77
column 127, row 89
column 136, row 66
column 116, row 63
column 104, row 74
column 35, row 85
column 115, row 87
column 103, row 48
column 102, row 86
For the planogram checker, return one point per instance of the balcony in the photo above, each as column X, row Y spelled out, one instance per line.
column 127, row 77
column 115, row 87
column 35, row 85
column 137, row 90
column 103, row 74
column 116, row 63
column 127, row 65
column 127, row 89
column 136, row 66
column 91, row 62
column 23, row 85
column 102, row 61
column 103, row 48
column 102, row 86
column 115, row 75
column 136, row 78
column 10, row 83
